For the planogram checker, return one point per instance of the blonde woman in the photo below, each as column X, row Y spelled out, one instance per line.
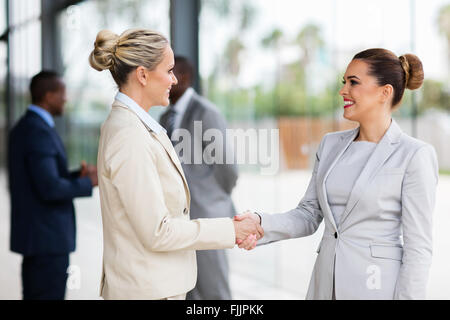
column 374, row 187
column 149, row 240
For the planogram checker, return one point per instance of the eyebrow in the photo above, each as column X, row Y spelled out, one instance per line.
column 351, row 77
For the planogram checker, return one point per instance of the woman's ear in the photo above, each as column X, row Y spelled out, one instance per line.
column 141, row 75
column 387, row 92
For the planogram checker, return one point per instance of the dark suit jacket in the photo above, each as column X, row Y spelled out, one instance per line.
column 41, row 189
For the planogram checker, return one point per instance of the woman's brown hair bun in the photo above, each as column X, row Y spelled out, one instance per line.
column 413, row 68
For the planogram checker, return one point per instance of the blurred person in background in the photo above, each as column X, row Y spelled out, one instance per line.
column 210, row 184
column 149, row 238
column 375, row 188
column 42, row 190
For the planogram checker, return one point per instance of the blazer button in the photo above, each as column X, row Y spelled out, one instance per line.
column 185, row 211
column 335, row 235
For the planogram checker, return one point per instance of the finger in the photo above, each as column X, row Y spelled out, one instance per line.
column 239, row 217
column 260, row 231
column 247, row 242
column 252, row 244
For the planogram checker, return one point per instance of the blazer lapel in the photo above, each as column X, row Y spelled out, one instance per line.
column 382, row 151
column 328, row 164
column 54, row 134
column 188, row 113
column 58, row 142
column 167, row 144
column 163, row 139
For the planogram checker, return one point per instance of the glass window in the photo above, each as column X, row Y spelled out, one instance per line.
column 3, row 56
column 25, row 50
column 24, row 57
column 90, row 93
column 279, row 65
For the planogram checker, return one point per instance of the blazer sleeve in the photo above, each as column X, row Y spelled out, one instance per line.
column 418, row 199
column 42, row 165
column 302, row 221
column 226, row 173
column 139, row 184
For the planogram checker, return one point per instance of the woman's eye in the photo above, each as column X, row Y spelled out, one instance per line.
column 353, row 82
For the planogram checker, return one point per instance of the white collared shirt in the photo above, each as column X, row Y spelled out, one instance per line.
column 181, row 106
column 141, row 113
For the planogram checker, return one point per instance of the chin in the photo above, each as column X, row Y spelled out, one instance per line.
column 348, row 116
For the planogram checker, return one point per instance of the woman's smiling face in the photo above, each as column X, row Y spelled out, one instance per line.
column 363, row 97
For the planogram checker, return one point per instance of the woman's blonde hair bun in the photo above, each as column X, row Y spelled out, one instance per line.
column 123, row 54
column 103, row 56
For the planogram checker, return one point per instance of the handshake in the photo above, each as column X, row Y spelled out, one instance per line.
column 248, row 230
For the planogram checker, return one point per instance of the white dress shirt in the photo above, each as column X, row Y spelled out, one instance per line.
column 151, row 123
column 181, row 106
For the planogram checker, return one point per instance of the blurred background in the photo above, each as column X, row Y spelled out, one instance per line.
column 266, row 64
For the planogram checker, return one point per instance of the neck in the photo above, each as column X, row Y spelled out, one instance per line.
column 175, row 99
column 137, row 96
column 373, row 131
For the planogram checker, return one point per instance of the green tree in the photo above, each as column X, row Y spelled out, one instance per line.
column 274, row 41
column 309, row 39
column 434, row 95
column 118, row 9
column 232, row 53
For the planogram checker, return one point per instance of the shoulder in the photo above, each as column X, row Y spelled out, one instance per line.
column 123, row 130
column 413, row 144
column 336, row 136
column 417, row 151
column 122, row 121
column 206, row 106
column 208, row 112
column 31, row 134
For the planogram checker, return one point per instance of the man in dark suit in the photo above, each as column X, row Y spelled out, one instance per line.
column 42, row 192
column 210, row 183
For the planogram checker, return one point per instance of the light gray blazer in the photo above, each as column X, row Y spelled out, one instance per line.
column 383, row 246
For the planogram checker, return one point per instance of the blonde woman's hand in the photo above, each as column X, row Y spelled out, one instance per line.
column 248, row 230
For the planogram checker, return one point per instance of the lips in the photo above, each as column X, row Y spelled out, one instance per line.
column 348, row 103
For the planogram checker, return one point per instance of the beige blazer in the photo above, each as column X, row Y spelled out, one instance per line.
column 148, row 237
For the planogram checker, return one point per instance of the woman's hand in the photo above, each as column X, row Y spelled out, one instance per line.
column 248, row 230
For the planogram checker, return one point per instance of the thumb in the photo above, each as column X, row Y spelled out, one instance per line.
column 239, row 218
